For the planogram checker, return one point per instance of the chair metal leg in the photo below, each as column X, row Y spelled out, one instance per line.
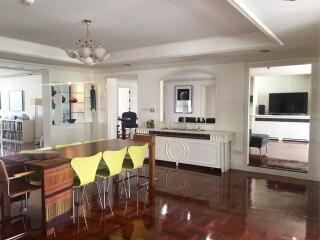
column 124, row 186
column 109, row 181
column 260, row 153
column 266, row 149
column 83, row 210
column 129, row 186
column 26, row 202
column 99, row 193
column 109, row 201
column 87, row 199
column 104, row 193
column 73, row 210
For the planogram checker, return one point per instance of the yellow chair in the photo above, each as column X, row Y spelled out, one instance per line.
column 59, row 146
column 137, row 155
column 85, row 169
column 44, row 149
column 34, row 150
column 111, row 166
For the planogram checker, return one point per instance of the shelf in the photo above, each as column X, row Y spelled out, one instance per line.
column 11, row 140
column 11, row 130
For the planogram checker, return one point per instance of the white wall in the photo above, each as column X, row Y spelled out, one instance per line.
column 263, row 85
column 32, row 87
column 230, row 80
column 197, row 98
column 65, row 133
column 232, row 108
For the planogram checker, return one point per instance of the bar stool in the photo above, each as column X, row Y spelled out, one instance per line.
column 137, row 156
column 85, row 169
column 111, row 166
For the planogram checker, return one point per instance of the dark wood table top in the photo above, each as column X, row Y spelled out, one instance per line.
column 57, row 157
column 89, row 149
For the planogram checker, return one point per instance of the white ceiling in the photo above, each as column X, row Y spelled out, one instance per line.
column 160, row 31
column 302, row 69
column 121, row 24
column 296, row 23
column 8, row 73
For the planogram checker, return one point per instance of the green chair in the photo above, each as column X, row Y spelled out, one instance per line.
column 58, row 146
column 85, row 169
column 137, row 155
column 111, row 166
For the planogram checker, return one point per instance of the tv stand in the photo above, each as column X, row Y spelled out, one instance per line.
column 283, row 127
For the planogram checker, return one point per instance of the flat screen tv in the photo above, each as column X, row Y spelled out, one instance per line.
column 288, row 103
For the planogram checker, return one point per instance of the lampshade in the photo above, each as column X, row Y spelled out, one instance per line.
column 84, row 52
column 99, row 52
column 88, row 60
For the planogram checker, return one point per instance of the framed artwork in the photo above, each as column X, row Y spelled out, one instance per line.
column 183, row 99
column 16, row 101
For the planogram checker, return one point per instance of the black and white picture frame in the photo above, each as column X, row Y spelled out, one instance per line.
column 183, row 99
column 16, row 101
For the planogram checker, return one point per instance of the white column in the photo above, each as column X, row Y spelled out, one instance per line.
column 112, row 107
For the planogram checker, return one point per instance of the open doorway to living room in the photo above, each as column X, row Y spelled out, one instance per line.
column 279, row 117
column 21, row 112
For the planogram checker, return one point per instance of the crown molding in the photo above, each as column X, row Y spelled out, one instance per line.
column 246, row 12
column 224, row 44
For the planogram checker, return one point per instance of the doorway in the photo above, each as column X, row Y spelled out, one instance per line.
column 279, row 117
column 21, row 113
column 127, row 102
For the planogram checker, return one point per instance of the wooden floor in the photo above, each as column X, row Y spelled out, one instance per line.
column 291, row 156
column 197, row 205
column 291, row 151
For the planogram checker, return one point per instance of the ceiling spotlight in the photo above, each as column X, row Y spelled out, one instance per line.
column 265, row 50
column 28, row 2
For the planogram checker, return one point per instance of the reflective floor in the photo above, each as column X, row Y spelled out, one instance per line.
column 198, row 205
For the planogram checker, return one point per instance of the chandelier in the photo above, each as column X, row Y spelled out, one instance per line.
column 89, row 51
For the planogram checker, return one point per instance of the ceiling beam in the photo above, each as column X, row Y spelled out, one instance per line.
column 245, row 11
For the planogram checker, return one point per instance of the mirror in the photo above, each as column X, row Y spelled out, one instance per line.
column 191, row 100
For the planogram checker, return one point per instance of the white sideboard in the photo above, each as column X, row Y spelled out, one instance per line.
column 282, row 127
column 201, row 148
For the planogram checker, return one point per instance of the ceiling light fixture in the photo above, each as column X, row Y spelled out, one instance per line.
column 265, row 50
column 28, row 2
column 89, row 52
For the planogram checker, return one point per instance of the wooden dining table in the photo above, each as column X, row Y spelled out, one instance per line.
column 57, row 176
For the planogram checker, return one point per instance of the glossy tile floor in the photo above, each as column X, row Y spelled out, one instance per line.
column 194, row 205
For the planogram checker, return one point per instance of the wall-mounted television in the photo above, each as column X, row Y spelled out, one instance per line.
column 288, row 103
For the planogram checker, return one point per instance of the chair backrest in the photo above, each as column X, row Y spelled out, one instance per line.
column 45, row 148
column 137, row 154
column 129, row 119
column 3, row 172
column 114, row 160
column 86, row 168
column 67, row 145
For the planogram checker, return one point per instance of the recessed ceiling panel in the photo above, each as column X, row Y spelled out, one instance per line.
column 119, row 25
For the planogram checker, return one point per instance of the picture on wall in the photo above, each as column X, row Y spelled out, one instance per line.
column 183, row 99
column 16, row 101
